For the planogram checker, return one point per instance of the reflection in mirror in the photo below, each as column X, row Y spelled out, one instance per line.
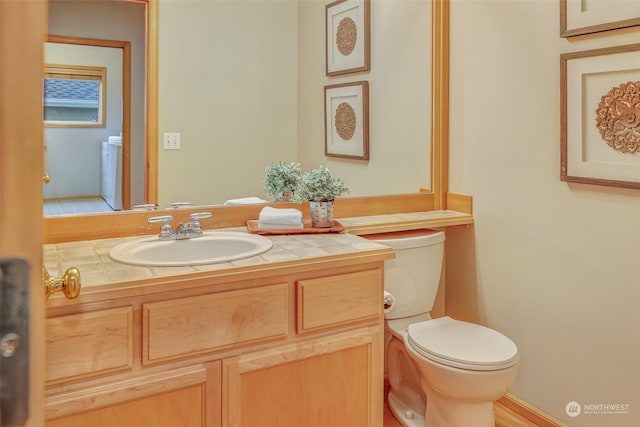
column 100, row 168
column 74, row 95
column 246, row 104
column 84, row 160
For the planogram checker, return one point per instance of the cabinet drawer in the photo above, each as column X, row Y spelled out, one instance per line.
column 336, row 300
column 204, row 323
column 84, row 344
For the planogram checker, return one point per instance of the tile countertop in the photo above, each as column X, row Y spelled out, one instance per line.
column 91, row 257
column 96, row 267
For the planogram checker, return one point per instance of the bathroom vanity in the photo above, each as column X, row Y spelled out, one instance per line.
column 293, row 337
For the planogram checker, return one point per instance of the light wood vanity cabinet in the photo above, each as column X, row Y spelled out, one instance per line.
column 86, row 344
column 205, row 323
column 300, row 348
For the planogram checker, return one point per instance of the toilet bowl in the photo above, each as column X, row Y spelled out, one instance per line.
column 442, row 372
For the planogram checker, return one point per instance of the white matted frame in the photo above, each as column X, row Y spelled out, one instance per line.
column 347, row 36
column 580, row 17
column 346, row 120
column 600, row 117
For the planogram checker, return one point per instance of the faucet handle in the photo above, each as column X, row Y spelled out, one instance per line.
column 181, row 205
column 196, row 217
column 199, row 215
column 145, row 207
column 166, row 230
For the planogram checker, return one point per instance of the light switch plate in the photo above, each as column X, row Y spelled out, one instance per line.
column 171, row 141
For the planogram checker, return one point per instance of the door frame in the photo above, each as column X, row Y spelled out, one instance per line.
column 22, row 34
column 125, row 48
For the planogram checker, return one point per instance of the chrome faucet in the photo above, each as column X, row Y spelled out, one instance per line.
column 189, row 230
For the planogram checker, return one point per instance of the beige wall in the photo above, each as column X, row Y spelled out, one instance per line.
column 227, row 83
column 550, row 264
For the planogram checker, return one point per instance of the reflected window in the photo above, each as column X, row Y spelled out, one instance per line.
column 74, row 96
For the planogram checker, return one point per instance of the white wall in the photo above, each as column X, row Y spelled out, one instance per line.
column 552, row 265
column 399, row 92
column 227, row 83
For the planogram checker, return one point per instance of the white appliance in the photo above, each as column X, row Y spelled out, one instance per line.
column 111, row 184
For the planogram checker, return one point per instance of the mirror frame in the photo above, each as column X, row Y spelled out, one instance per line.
column 151, row 128
column 84, row 227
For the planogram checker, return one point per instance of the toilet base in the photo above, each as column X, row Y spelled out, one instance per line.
column 405, row 415
column 445, row 412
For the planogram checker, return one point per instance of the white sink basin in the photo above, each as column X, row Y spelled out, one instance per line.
column 213, row 247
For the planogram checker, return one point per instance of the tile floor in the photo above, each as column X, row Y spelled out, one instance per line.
column 75, row 206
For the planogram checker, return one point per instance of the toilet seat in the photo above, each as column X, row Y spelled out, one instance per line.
column 462, row 345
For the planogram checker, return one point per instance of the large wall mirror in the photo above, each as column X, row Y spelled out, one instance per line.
column 243, row 84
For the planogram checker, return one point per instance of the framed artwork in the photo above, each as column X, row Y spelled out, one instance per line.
column 600, row 116
column 346, row 120
column 347, row 36
column 583, row 17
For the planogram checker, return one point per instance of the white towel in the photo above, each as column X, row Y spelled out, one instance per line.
column 245, row 201
column 283, row 218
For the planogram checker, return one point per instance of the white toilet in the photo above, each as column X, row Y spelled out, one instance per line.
column 442, row 372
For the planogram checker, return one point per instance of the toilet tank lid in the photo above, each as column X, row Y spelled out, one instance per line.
column 463, row 342
column 408, row 239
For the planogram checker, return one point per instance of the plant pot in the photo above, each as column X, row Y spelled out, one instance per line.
column 321, row 214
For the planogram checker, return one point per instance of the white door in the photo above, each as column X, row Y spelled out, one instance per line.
column 22, row 34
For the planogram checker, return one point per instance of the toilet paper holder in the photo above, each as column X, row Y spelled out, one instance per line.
column 388, row 301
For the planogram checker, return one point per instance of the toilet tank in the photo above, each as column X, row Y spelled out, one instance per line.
column 412, row 278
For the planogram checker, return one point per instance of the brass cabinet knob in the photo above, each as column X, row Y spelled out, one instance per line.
column 69, row 283
column 46, row 178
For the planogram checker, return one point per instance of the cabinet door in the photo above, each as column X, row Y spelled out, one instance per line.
column 183, row 397
column 330, row 381
column 184, row 408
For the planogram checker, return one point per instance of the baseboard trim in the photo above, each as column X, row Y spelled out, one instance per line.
column 529, row 412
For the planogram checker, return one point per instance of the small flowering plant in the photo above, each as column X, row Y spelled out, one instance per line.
column 319, row 185
column 281, row 178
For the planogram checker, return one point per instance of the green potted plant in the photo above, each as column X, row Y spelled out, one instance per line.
column 281, row 180
column 320, row 188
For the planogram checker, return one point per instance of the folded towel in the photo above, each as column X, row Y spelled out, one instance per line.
column 245, row 201
column 267, row 226
column 286, row 217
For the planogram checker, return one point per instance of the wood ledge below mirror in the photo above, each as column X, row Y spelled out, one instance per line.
column 458, row 211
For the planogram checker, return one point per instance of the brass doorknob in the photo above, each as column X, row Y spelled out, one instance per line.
column 46, row 178
column 69, row 283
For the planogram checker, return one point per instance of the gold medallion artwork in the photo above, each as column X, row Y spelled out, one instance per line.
column 345, row 120
column 618, row 118
column 346, row 36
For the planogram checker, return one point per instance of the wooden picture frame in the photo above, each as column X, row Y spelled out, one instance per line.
column 600, row 120
column 346, row 119
column 578, row 17
column 347, row 37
